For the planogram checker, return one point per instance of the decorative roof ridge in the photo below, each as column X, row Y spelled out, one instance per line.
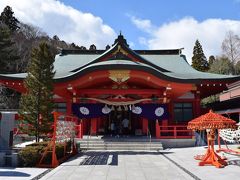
column 80, row 51
column 121, row 50
column 120, row 40
column 138, row 56
column 121, row 47
column 97, row 58
column 138, row 51
column 159, row 52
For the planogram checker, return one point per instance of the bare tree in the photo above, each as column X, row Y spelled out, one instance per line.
column 30, row 31
column 221, row 65
column 231, row 47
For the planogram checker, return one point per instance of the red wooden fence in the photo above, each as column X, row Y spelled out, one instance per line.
column 175, row 132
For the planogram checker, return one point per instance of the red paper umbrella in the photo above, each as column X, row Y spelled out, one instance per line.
column 211, row 120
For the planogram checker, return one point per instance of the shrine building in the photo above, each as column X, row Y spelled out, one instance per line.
column 156, row 90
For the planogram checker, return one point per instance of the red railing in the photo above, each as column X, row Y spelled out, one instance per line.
column 175, row 132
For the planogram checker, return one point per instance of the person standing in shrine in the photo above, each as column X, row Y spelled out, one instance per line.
column 125, row 124
column 112, row 128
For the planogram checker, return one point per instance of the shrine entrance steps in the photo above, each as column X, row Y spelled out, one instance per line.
column 127, row 143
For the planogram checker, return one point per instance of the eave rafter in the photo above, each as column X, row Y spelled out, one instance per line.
column 118, row 91
column 93, row 83
column 14, row 84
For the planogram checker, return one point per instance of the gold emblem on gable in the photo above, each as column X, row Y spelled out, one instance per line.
column 119, row 76
column 121, row 50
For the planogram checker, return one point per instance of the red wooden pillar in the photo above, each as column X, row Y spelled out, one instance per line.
column 165, row 124
column 157, row 130
column 144, row 126
column 93, row 126
column 197, row 104
column 80, row 129
column 69, row 107
column 85, row 126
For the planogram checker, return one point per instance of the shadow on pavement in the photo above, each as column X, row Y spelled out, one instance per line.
column 100, row 158
column 110, row 157
column 235, row 162
column 13, row 174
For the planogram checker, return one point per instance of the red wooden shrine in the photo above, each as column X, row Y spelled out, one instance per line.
column 120, row 74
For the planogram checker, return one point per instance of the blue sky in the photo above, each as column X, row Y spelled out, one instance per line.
column 152, row 24
column 116, row 12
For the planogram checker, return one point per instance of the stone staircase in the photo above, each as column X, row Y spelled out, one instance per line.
column 122, row 143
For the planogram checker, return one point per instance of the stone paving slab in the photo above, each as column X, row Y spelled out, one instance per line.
column 185, row 158
column 118, row 165
column 170, row 164
column 20, row 173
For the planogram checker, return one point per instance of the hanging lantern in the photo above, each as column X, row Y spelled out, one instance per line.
column 119, row 108
column 137, row 110
column 133, row 107
column 106, row 109
column 112, row 108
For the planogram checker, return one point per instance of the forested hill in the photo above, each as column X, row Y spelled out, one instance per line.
column 17, row 39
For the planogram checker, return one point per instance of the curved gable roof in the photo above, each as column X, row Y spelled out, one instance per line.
column 192, row 77
column 166, row 64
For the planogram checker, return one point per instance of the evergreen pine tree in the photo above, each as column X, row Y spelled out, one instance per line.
column 211, row 60
column 8, row 58
column 36, row 105
column 8, row 18
column 199, row 61
column 7, row 52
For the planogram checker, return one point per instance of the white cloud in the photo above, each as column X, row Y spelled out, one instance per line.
column 131, row 44
column 69, row 24
column 184, row 32
column 143, row 24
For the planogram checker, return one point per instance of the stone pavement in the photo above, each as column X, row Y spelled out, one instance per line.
column 184, row 158
column 118, row 165
column 170, row 164
column 20, row 173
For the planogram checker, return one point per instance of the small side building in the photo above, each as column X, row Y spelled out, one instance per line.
column 229, row 104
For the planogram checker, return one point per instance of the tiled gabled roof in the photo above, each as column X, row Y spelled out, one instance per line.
column 166, row 64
